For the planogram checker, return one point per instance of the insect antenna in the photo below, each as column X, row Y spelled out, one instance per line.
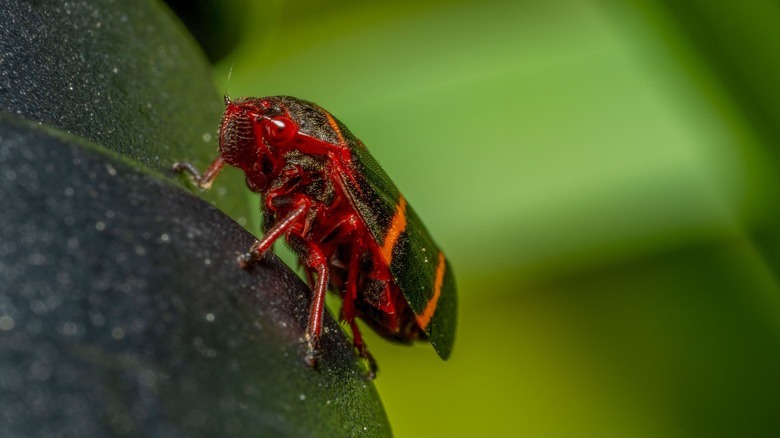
column 227, row 84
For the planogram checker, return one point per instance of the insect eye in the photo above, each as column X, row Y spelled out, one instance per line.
column 280, row 129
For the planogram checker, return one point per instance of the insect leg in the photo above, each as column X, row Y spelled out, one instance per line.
column 314, row 328
column 202, row 181
column 350, row 294
column 313, row 258
column 274, row 233
column 360, row 346
column 341, row 229
column 348, row 310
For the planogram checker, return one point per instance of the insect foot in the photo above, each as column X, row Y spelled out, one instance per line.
column 311, row 357
column 188, row 168
column 313, row 353
column 246, row 259
column 372, row 366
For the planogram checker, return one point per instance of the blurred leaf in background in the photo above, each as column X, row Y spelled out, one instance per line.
column 603, row 176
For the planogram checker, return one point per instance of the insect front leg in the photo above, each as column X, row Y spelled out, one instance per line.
column 203, row 181
column 281, row 227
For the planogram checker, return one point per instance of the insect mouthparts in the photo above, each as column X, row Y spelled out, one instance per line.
column 227, row 100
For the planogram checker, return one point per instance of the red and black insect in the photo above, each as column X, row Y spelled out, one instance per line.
column 344, row 218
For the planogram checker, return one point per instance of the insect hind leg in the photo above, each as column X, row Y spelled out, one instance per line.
column 360, row 346
column 348, row 311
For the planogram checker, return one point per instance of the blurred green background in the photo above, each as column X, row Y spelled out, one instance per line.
column 603, row 176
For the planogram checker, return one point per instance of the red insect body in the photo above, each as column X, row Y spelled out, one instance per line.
column 303, row 182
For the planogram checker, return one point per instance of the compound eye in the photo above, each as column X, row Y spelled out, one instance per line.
column 280, row 130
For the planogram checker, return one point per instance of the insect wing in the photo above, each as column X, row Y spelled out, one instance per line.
column 418, row 266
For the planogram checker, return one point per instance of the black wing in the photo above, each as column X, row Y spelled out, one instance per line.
column 418, row 266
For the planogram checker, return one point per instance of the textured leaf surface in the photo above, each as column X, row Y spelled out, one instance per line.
column 122, row 307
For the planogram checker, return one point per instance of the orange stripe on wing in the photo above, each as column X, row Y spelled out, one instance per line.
column 397, row 226
column 335, row 126
column 430, row 308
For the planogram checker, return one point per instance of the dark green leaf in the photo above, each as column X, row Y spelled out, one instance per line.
column 122, row 307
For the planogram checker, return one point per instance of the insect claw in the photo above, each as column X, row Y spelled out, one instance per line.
column 202, row 180
column 192, row 172
column 188, row 168
column 372, row 366
column 312, row 356
column 246, row 259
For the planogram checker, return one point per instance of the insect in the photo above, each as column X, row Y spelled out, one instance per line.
column 350, row 227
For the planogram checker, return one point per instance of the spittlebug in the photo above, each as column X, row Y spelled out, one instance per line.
column 342, row 216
